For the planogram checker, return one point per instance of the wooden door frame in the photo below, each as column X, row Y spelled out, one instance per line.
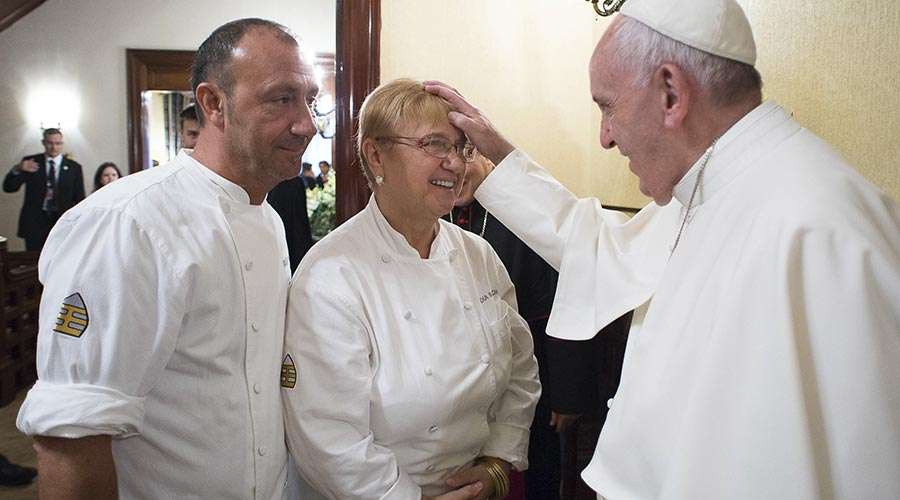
column 357, row 73
column 151, row 70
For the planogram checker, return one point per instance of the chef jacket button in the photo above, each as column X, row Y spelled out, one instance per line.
column 262, row 451
column 226, row 209
column 285, row 261
column 467, row 305
column 257, row 388
column 433, row 429
column 254, row 326
column 609, row 403
column 385, row 258
column 485, row 359
column 407, row 315
column 249, row 265
column 430, row 467
column 428, row 371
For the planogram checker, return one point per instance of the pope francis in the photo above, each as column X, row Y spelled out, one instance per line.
column 764, row 356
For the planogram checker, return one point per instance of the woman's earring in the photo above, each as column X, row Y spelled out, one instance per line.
column 379, row 180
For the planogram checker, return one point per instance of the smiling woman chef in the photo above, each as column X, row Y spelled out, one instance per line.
column 407, row 372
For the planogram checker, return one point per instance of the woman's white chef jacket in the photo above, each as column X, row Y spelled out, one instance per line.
column 183, row 284
column 406, row 369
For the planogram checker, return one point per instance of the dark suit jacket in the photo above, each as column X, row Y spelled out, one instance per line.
column 69, row 191
column 289, row 200
column 312, row 182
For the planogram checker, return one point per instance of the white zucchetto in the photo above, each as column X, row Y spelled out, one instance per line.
column 719, row 27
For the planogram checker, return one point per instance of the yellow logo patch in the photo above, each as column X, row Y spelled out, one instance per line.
column 73, row 317
column 288, row 372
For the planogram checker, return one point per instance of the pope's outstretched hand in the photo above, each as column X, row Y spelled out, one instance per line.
column 472, row 122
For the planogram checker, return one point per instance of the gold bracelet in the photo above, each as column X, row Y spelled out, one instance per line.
column 498, row 476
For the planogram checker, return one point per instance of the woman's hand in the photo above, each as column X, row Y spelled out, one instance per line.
column 478, row 474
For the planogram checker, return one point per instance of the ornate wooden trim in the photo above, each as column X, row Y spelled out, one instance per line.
column 358, row 68
column 151, row 70
column 12, row 11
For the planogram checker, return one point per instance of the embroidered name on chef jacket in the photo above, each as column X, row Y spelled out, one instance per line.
column 73, row 317
column 488, row 295
column 288, row 372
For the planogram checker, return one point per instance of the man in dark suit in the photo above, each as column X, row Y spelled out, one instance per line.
column 53, row 184
column 289, row 199
column 324, row 176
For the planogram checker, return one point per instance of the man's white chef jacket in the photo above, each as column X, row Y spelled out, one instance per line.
column 405, row 369
column 161, row 325
column 767, row 362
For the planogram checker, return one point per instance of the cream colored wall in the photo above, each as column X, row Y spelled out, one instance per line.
column 833, row 63
column 79, row 46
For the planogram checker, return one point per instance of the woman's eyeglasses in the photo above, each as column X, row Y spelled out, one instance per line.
column 437, row 146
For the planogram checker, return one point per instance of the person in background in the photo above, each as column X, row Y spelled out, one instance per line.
column 159, row 379
column 324, row 173
column 408, row 373
column 309, row 177
column 189, row 127
column 53, row 184
column 763, row 358
column 288, row 198
column 107, row 172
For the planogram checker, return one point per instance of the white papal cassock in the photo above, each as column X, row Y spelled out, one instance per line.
column 766, row 363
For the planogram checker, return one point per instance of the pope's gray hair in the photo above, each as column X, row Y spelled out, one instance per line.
column 642, row 50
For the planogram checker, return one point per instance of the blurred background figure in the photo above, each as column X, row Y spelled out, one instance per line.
column 106, row 173
column 53, row 184
column 309, row 177
column 324, row 173
column 288, row 198
column 190, row 127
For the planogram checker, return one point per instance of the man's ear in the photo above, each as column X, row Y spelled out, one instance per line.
column 211, row 100
column 373, row 152
column 676, row 94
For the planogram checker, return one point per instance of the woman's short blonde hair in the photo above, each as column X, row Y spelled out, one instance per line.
column 392, row 105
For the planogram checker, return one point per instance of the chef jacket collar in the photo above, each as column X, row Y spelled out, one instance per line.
column 396, row 243
column 234, row 191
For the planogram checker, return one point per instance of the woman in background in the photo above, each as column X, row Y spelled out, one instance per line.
column 106, row 173
column 408, row 372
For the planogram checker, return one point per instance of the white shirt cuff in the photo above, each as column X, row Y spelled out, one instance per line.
column 403, row 489
column 509, row 443
column 79, row 410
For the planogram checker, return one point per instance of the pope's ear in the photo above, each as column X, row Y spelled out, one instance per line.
column 211, row 100
column 675, row 93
